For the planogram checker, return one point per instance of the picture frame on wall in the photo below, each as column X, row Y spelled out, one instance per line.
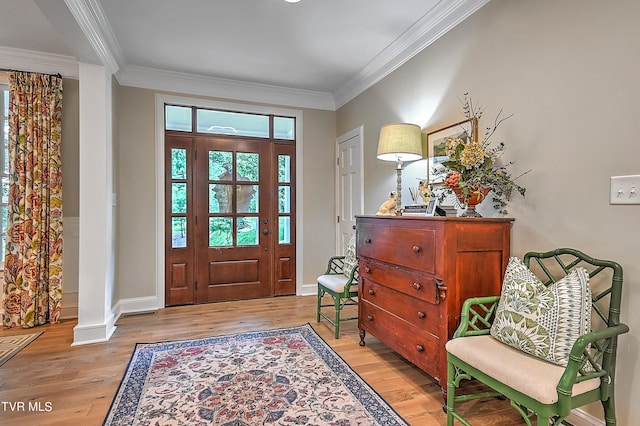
column 436, row 146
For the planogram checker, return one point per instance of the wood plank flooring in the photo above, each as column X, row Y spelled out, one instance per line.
column 68, row 385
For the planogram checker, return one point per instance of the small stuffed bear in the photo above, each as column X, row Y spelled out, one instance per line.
column 388, row 208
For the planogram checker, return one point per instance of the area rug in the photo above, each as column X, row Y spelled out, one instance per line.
column 11, row 345
column 288, row 376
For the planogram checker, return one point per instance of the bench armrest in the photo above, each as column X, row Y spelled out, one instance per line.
column 476, row 316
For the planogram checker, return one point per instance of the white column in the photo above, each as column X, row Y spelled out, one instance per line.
column 96, row 320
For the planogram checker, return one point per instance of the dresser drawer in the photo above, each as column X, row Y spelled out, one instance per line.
column 412, row 283
column 409, row 247
column 422, row 314
column 419, row 347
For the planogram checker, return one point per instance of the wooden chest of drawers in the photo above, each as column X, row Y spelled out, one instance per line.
column 415, row 273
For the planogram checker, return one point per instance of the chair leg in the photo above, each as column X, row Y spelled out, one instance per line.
column 542, row 421
column 451, row 393
column 609, row 411
column 319, row 303
column 337, row 305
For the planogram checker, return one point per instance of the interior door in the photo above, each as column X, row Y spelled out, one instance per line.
column 349, row 182
column 233, row 235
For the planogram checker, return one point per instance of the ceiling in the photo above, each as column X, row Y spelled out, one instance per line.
column 315, row 53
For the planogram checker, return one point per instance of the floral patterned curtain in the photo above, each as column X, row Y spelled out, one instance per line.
column 33, row 260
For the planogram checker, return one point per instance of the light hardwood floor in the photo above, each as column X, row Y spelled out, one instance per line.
column 78, row 383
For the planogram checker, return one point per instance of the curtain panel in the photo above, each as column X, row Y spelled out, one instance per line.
column 33, row 260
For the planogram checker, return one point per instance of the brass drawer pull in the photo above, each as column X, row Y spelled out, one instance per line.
column 416, row 249
column 370, row 318
column 417, row 286
column 421, row 315
column 371, row 292
column 420, row 348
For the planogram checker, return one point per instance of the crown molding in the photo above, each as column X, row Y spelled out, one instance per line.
column 169, row 81
column 433, row 25
column 47, row 63
column 96, row 28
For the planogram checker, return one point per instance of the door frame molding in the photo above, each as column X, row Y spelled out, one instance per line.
column 160, row 100
column 358, row 133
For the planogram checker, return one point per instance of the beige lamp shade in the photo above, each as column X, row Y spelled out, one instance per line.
column 400, row 141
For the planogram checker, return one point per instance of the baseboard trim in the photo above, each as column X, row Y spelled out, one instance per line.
column 137, row 304
column 308, row 289
column 69, row 306
column 580, row 418
column 96, row 333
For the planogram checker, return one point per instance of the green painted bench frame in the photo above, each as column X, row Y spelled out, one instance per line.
column 348, row 297
column 477, row 316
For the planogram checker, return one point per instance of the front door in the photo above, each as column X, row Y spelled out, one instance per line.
column 230, row 218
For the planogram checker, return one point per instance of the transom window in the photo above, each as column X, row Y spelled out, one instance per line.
column 181, row 118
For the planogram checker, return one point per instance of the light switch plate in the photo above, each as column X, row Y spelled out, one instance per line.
column 625, row 190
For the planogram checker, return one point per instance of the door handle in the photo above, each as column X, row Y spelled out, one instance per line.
column 265, row 231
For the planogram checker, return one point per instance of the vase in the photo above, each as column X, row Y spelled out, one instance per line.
column 475, row 198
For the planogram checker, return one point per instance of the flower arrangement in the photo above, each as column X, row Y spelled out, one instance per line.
column 472, row 169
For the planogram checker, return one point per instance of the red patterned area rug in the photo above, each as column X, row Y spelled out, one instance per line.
column 287, row 376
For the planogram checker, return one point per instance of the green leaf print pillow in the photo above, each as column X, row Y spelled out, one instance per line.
column 542, row 321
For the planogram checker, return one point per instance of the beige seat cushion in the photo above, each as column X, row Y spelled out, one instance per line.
column 333, row 282
column 524, row 373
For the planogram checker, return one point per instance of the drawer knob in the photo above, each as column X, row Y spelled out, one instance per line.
column 417, row 286
column 420, row 348
column 370, row 318
column 367, row 269
column 416, row 249
column 368, row 241
column 421, row 315
column 371, row 292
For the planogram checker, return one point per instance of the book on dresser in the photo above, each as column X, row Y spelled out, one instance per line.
column 415, row 273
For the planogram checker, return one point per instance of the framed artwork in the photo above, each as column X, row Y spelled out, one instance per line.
column 436, row 146
column 431, row 207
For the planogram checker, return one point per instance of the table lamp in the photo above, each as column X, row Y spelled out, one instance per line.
column 400, row 142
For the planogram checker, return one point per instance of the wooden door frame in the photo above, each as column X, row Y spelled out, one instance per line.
column 158, row 301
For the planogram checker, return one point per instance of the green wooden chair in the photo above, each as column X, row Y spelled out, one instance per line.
column 535, row 387
column 340, row 282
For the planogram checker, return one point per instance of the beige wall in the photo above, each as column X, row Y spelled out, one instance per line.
column 136, row 259
column 568, row 71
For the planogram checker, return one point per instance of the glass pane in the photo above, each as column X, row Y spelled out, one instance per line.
column 247, row 198
column 220, row 232
column 5, row 106
column 248, row 231
column 178, row 163
column 220, row 198
column 177, row 118
column 178, row 198
column 284, row 199
column 5, row 164
column 284, row 128
column 284, row 230
column 3, row 246
column 284, row 168
column 248, row 166
column 178, row 232
column 220, row 165
column 5, row 189
column 232, row 123
column 5, row 217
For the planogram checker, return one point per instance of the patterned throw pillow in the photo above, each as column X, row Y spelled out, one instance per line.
column 350, row 260
column 542, row 321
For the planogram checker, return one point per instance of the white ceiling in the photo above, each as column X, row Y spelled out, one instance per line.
column 315, row 53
